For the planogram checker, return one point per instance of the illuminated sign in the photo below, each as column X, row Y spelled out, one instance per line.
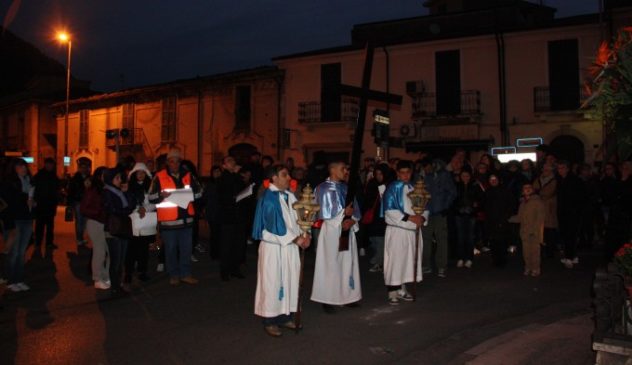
column 66, row 160
column 381, row 116
column 506, row 157
column 529, row 142
column 28, row 159
column 501, row 150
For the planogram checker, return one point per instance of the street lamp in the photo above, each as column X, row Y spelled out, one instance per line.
column 64, row 37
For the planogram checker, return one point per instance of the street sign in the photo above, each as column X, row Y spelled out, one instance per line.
column 66, row 160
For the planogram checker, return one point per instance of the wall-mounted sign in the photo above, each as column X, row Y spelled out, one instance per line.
column 529, row 142
column 66, row 160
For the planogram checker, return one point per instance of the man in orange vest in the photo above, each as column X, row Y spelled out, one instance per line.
column 175, row 223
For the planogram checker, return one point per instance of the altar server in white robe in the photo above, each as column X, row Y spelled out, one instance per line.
column 278, row 267
column 336, row 276
column 399, row 240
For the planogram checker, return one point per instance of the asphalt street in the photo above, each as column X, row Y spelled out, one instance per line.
column 482, row 315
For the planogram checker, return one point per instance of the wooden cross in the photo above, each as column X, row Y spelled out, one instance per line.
column 365, row 94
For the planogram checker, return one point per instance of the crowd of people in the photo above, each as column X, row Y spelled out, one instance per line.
column 544, row 209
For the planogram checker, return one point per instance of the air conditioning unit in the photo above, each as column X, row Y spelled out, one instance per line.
column 415, row 87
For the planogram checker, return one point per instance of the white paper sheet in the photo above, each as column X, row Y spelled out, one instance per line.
column 145, row 226
column 180, row 197
column 244, row 193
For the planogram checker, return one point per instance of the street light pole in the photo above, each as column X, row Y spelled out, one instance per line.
column 65, row 38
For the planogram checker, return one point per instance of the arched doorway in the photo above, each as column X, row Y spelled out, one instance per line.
column 569, row 148
column 242, row 152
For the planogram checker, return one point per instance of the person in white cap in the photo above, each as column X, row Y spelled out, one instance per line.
column 175, row 223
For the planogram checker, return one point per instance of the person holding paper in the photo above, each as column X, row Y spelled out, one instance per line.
column 138, row 251
column 232, row 236
column 278, row 269
column 175, row 222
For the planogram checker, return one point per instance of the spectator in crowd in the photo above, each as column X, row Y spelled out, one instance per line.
column 570, row 197
column 366, row 173
column 118, row 203
column 620, row 213
column 175, row 223
column 372, row 218
column 608, row 189
column 47, row 186
column 531, row 218
column 466, row 205
column 92, row 208
column 212, row 211
column 138, row 250
column 546, row 187
column 527, row 168
column 76, row 188
column 17, row 191
column 590, row 207
column 498, row 206
column 440, row 185
column 232, row 231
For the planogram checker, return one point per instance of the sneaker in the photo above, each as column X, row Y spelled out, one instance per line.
column 459, row 263
column 393, row 301
column 108, row 282
column 362, row 252
column 194, row 259
column 376, row 268
column 511, row 249
column 575, row 260
column 567, row 263
column 23, row 286
column 250, row 242
column 160, row 268
column 441, row 273
column 404, row 295
column 426, row 271
column 485, row 249
column 526, row 273
column 476, row 252
column 535, row 273
column 468, row 264
column 200, row 248
column 14, row 288
column 101, row 285
column 189, row 280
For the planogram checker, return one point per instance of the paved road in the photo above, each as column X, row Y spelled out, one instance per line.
column 479, row 316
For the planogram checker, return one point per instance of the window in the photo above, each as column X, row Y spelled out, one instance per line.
column 128, row 116
column 330, row 78
column 168, row 130
column 564, row 74
column 242, row 108
column 84, row 129
column 448, row 82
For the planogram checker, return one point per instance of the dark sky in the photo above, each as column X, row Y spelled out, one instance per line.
column 125, row 43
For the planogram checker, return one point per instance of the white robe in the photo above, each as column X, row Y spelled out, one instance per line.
column 279, row 266
column 334, row 268
column 399, row 246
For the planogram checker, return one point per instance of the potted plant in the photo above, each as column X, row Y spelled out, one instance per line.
column 623, row 260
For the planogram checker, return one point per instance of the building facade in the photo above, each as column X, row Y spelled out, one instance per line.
column 206, row 118
column 473, row 75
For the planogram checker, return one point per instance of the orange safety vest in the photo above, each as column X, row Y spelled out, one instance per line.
column 169, row 211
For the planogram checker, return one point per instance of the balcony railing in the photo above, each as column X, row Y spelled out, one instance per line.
column 311, row 111
column 425, row 105
column 560, row 99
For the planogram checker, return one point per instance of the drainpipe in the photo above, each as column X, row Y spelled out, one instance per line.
column 502, row 89
column 384, row 145
column 280, row 131
column 200, row 129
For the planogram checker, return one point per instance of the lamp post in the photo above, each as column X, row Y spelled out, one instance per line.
column 63, row 37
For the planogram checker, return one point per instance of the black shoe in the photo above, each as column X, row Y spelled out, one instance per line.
column 329, row 309
column 353, row 305
column 238, row 275
column 225, row 277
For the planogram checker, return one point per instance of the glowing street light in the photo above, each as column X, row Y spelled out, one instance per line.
column 64, row 37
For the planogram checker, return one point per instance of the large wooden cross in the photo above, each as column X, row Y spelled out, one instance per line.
column 365, row 94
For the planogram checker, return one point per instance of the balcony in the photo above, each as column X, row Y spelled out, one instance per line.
column 426, row 106
column 311, row 111
column 558, row 100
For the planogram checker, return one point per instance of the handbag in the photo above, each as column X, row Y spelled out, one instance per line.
column 120, row 226
column 68, row 214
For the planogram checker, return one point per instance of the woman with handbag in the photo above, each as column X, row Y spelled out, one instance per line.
column 138, row 250
column 118, row 205
column 91, row 208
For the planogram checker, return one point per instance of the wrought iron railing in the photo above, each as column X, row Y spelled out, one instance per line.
column 136, row 137
column 311, row 111
column 561, row 99
column 425, row 105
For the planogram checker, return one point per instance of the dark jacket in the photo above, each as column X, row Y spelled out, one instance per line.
column 229, row 185
column 46, row 184
column 468, row 199
column 499, row 206
column 113, row 205
column 76, row 188
column 11, row 192
column 571, row 194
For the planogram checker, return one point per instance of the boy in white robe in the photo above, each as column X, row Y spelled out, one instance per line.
column 401, row 227
column 279, row 264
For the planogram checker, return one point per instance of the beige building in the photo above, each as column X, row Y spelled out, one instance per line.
column 473, row 74
column 205, row 118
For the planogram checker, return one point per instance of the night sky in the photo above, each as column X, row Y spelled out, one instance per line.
column 126, row 43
